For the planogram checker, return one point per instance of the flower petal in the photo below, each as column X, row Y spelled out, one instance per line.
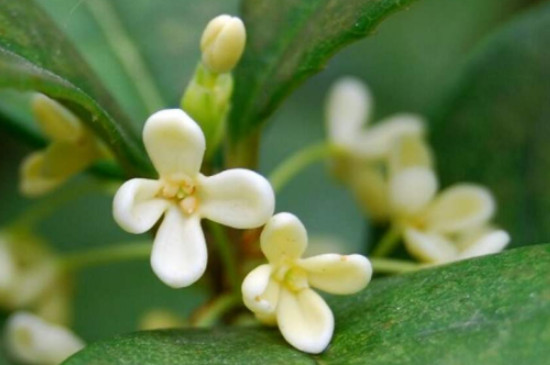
column 29, row 339
column 175, row 143
column 56, row 121
column 135, row 206
column 411, row 190
column 429, row 247
column 32, row 180
column 378, row 140
column 371, row 190
column 260, row 293
column 460, row 207
column 338, row 274
column 485, row 243
column 237, row 198
column 179, row 251
column 284, row 236
column 305, row 320
column 349, row 102
column 409, row 151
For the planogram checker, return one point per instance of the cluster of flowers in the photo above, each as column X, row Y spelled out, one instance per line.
column 390, row 169
column 389, row 166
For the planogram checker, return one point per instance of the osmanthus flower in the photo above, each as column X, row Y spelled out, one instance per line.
column 31, row 340
column 30, row 277
column 281, row 293
column 365, row 149
column 439, row 227
column 237, row 198
column 72, row 149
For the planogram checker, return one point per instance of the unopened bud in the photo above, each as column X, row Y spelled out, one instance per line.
column 222, row 43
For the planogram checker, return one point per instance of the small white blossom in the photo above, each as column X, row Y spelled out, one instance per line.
column 280, row 292
column 73, row 148
column 439, row 227
column 365, row 149
column 237, row 198
column 222, row 43
column 31, row 340
column 348, row 110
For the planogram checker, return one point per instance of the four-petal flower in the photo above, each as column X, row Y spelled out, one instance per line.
column 237, row 198
column 279, row 292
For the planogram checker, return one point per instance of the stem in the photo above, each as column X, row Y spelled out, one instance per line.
column 388, row 243
column 209, row 315
column 390, row 266
column 244, row 152
column 106, row 255
column 283, row 173
column 127, row 53
column 227, row 254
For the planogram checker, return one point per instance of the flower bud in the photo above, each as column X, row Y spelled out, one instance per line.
column 222, row 43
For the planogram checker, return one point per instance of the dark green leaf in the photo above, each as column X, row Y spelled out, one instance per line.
column 492, row 310
column 288, row 41
column 495, row 127
column 35, row 55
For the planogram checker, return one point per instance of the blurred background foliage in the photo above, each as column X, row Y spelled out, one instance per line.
column 410, row 63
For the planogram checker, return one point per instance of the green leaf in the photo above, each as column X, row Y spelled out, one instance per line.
column 491, row 310
column 35, row 55
column 289, row 41
column 495, row 126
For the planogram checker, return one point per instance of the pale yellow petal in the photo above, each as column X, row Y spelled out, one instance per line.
column 347, row 108
column 370, row 187
column 429, row 247
column 410, row 151
column 136, row 207
column 411, row 190
column 284, row 236
column 238, row 198
column 32, row 181
column 305, row 320
column 56, row 121
column 179, row 252
column 222, row 43
column 175, row 144
column 460, row 207
column 260, row 292
column 338, row 274
column 484, row 242
column 378, row 140
column 31, row 340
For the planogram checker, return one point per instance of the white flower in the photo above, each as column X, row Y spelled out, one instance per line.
column 222, row 43
column 363, row 161
column 279, row 292
column 349, row 106
column 439, row 227
column 31, row 340
column 237, row 198
column 27, row 270
column 73, row 148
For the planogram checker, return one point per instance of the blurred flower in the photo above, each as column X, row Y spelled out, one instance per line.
column 349, row 106
column 73, row 148
column 363, row 161
column 237, row 198
column 279, row 292
column 30, row 277
column 222, row 43
column 31, row 340
column 438, row 228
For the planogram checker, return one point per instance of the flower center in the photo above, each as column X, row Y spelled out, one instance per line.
column 292, row 277
column 182, row 191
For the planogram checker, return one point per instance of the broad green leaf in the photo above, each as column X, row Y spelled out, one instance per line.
column 288, row 41
column 491, row 310
column 495, row 126
column 35, row 55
